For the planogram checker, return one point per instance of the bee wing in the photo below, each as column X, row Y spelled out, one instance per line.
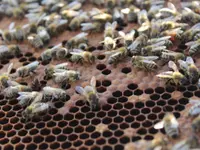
column 144, row 27
column 122, row 34
column 196, row 26
column 147, row 61
column 151, row 57
column 24, row 93
column 75, row 5
column 80, row 90
column 9, row 68
column 87, row 26
column 95, row 11
column 57, row 71
column 125, row 10
column 35, row 63
column 114, row 25
column 183, row 64
column 112, row 52
column 187, row 9
column 190, row 43
column 194, row 101
column 164, row 38
column 172, row 65
column 81, row 35
column 12, row 83
column 108, row 24
column 11, row 26
column 167, row 74
column 159, row 125
column 56, row 46
column 93, row 82
column 89, row 89
column 189, row 60
column 62, row 65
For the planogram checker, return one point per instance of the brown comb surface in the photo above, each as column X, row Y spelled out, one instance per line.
column 132, row 101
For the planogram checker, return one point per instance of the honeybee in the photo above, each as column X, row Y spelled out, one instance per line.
column 136, row 46
column 9, row 50
column 25, row 98
column 145, row 28
column 167, row 12
column 154, row 49
column 142, row 17
column 51, row 69
column 8, row 35
column 25, row 71
column 69, row 14
column 110, row 30
column 196, row 124
column 50, row 93
column 194, row 47
column 191, row 142
column 118, row 16
column 117, row 55
column 189, row 16
column 158, row 143
column 190, row 69
column 170, row 124
column 154, row 9
column 128, row 38
column 166, row 39
column 75, row 23
column 168, row 24
column 189, row 34
column 19, row 34
column 102, row 17
column 57, row 52
column 80, row 56
column 173, row 76
column 131, row 12
column 57, row 26
column 35, row 41
column 147, row 63
column 109, row 43
column 90, row 93
column 95, row 26
column 77, row 40
column 195, row 109
column 36, row 109
column 43, row 34
column 171, row 55
column 4, row 77
column 175, row 34
column 64, row 77
column 14, row 88
column 74, row 5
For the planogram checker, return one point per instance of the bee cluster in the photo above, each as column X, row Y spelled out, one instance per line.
column 94, row 116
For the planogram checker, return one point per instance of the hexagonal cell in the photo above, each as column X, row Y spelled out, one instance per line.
column 122, row 99
column 126, row 70
column 159, row 90
column 124, row 140
column 101, row 66
column 127, row 93
column 135, row 125
column 61, row 138
column 132, row 86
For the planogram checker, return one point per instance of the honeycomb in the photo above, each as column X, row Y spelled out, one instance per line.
column 132, row 101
